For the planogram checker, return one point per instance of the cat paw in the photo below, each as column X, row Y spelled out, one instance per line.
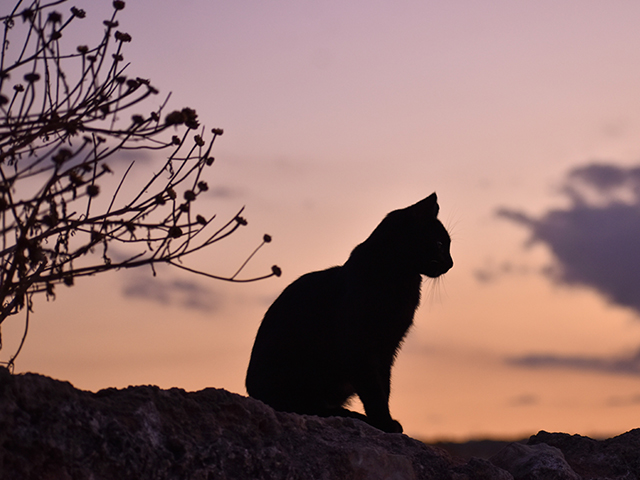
column 395, row 427
column 389, row 426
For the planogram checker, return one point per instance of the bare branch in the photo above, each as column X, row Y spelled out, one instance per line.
column 66, row 118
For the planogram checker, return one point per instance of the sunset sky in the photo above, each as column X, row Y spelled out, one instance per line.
column 524, row 117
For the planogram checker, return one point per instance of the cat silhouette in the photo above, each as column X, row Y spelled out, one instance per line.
column 335, row 333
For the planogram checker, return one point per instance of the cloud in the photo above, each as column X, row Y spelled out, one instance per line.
column 617, row 401
column 173, row 291
column 524, row 400
column 596, row 240
column 491, row 272
column 622, row 365
column 222, row 191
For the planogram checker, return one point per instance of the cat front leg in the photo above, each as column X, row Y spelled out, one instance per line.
column 373, row 391
column 378, row 414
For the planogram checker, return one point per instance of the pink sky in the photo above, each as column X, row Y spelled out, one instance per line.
column 335, row 114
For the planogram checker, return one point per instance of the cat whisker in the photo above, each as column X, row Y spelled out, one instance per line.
column 435, row 287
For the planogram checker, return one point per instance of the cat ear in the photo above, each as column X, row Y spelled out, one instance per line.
column 428, row 207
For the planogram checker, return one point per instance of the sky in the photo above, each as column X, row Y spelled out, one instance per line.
column 524, row 117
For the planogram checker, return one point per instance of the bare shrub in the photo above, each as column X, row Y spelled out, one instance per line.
column 68, row 124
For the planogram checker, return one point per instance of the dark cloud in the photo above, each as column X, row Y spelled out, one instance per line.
column 596, row 240
column 173, row 291
column 623, row 365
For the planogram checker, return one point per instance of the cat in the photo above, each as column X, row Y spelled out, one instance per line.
column 335, row 333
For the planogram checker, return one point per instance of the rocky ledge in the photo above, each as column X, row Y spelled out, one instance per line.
column 51, row 430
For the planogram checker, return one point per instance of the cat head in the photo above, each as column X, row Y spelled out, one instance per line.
column 425, row 239
column 408, row 241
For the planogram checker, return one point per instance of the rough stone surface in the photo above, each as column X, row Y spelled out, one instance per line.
column 534, row 462
column 50, row 430
column 616, row 458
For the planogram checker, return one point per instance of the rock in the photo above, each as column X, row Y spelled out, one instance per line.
column 480, row 469
column 474, row 448
column 534, row 462
column 617, row 458
column 50, row 430
column 559, row 456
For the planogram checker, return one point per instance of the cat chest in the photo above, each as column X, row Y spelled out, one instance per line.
column 386, row 316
